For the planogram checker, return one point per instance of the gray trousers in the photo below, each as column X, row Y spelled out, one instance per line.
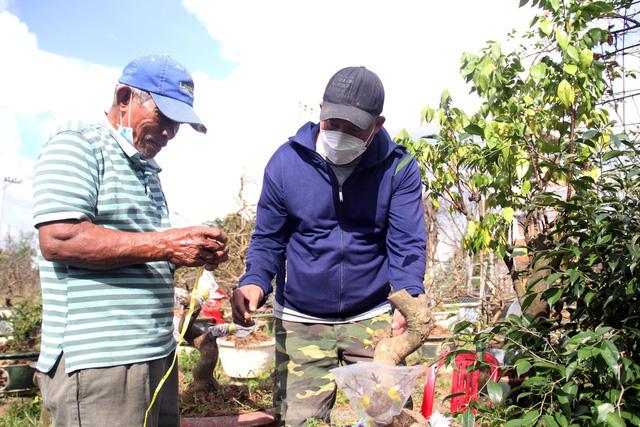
column 114, row 396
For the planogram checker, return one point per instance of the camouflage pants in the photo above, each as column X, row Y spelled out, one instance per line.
column 305, row 389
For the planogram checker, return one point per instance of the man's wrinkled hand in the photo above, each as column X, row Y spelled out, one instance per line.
column 195, row 246
column 244, row 301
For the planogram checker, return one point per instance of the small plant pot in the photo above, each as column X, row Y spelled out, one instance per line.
column 17, row 377
column 248, row 360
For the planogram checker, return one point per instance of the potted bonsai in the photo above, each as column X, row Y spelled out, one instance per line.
column 206, row 401
column 20, row 348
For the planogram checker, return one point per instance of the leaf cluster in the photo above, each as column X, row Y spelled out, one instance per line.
column 542, row 154
column 26, row 324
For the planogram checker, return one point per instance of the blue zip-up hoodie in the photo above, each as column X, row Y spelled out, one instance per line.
column 342, row 247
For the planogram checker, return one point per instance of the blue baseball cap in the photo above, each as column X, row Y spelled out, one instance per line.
column 170, row 86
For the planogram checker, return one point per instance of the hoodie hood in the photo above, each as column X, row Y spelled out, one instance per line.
column 381, row 147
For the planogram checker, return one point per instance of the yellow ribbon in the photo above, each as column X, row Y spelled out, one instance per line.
column 192, row 303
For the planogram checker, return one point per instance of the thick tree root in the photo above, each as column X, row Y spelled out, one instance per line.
column 203, row 380
column 392, row 351
column 420, row 323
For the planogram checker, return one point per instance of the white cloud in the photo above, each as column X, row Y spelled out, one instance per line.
column 285, row 52
column 40, row 92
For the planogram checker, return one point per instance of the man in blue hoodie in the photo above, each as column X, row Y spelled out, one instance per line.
column 340, row 225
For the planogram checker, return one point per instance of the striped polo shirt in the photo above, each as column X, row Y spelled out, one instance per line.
column 113, row 317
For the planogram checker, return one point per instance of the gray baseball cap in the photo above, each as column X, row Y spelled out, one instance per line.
column 354, row 94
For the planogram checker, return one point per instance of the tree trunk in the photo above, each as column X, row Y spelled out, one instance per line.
column 392, row 351
column 203, row 379
column 420, row 323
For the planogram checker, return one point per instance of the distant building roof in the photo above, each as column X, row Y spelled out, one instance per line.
column 462, row 300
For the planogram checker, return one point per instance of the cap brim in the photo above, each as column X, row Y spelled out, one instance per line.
column 358, row 117
column 178, row 111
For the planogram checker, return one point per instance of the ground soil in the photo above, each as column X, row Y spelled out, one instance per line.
column 227, row 399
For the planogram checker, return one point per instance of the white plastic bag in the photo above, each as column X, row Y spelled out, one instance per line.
column 207, row 285
column 377, row 392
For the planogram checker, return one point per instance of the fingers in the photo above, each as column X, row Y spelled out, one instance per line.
column 214, row 234
column 196, row 246
column 213, row 258
column 399, row 323
column 239, row 308
column 215, row 246
column 244, row 301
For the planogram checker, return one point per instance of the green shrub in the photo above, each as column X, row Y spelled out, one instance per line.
column 26, row 322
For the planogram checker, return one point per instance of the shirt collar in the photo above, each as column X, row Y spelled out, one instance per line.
column 128, row 148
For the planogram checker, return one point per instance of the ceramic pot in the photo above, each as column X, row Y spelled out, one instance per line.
column 248, row 360
column 17, row 377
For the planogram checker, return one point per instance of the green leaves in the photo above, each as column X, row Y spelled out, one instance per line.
column 522, row 366
column 562, row 39
column 614, row 420
column 507, row 214
column 468, row 418
column 445, row 99
column 538, row 71
column 553, row 295
column 604, row 409
column 537, row 132
column 495, row 392
column 570, row 69
column 546, row 26
column 573, row 53
column 474, row 129
column 586, row 58
column 427, row 114
column 566, row 93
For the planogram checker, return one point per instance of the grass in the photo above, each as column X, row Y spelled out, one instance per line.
column 20, row 411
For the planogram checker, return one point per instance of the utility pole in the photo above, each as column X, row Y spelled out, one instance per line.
column 6, row 181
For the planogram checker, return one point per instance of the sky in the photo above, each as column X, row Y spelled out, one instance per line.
column 259, row 67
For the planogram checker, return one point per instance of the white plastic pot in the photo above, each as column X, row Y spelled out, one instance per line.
column 247, row 361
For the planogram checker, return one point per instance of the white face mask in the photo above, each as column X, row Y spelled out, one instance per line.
column 341, row 148
column 127, row 131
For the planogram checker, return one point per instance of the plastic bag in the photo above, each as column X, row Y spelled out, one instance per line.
column 227, row 329
column 207, row 285
column 377, row 392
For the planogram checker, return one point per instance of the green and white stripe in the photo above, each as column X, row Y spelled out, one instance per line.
column 102, row 318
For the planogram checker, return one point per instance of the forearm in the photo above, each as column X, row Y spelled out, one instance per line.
column 406, row 236
column 86, row 245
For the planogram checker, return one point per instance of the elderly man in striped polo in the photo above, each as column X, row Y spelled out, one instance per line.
column 107, row 254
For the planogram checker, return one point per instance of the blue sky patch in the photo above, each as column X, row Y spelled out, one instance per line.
column 113, row 32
